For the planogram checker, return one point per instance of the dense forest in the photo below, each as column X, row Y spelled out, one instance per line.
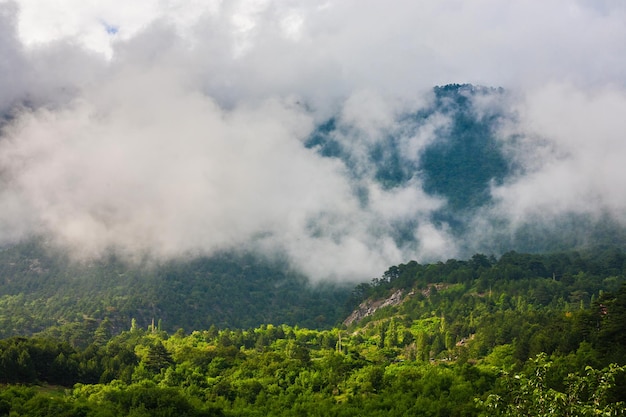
column 42, row 289
column 521, row 335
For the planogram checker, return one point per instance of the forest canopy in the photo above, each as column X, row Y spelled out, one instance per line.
column 520, row 335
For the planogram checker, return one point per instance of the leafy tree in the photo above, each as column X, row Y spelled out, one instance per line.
column 530, row 394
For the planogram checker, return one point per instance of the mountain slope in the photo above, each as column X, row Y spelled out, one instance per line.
column 462, row 144
column 441, row 346
column 447, row 151
column 39, row 289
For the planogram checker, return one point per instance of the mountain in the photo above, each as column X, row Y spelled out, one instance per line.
column 459, row 164
column 450, row 149
column 457, row 148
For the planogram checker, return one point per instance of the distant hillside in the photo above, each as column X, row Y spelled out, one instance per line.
column 459, row 164
column 518, row 300
column 463, row 156
column 39, row 290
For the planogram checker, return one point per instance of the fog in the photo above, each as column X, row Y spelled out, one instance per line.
column 178, row 129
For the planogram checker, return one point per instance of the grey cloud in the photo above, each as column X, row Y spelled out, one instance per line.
column 13, row 65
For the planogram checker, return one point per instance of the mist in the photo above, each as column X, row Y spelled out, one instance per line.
column 171, row 131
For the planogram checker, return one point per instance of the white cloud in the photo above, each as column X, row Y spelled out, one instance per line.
column 397, row 47
column 182, row 130
column 144, row 164
column 583, row 170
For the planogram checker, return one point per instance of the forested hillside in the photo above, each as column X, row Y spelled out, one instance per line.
column 300, row 208
column 42, row 289
column 519, row 335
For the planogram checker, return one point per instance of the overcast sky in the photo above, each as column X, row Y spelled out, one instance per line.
column 175, row 128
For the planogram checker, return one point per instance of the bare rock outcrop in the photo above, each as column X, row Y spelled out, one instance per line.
column 369, row 307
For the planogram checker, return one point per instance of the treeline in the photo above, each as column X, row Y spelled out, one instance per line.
column 546, row 278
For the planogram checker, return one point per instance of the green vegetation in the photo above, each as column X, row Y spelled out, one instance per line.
column 520, row 335
column 460, row 165
column 45, row 291
column 468, row 157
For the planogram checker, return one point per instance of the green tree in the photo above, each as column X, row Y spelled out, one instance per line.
column 530, row 394
column 103, row 333
column 158, row 357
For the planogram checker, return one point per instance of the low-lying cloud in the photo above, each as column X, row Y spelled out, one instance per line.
column 181, row 130
column 143, row 165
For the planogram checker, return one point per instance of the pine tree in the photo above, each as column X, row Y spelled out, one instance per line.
column 158, row 357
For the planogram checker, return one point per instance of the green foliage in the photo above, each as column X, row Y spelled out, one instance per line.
column 45, row 292
column 589, row 393
column 467, row 157
column 519, row 335
column 158, row 357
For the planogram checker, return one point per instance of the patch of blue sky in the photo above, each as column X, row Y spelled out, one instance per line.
column 110, row 29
